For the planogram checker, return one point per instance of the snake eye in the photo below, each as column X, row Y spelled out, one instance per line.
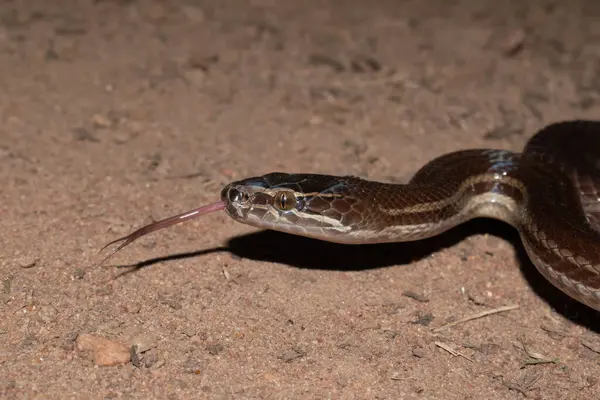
column 285, row 201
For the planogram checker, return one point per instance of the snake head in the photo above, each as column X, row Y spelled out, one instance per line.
column 303, row 204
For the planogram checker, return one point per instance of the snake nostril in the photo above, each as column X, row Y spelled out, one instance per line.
column 234, row 195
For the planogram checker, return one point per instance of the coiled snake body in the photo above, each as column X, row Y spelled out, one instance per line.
column 550, row 192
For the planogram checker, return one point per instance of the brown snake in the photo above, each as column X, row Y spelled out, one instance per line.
column 550, row 193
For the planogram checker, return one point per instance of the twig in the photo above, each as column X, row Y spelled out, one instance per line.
column 451, row 350
column 476, row 316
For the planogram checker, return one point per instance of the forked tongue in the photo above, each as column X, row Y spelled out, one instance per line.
column 164, row 223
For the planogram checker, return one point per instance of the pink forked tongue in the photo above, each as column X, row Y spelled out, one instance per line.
column 164, row 223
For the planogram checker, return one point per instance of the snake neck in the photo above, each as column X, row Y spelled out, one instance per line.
column 446, row 192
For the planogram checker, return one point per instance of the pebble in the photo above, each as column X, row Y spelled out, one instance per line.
column 418, row 352
column 47, row 313
column 68, row 341
column 28, row 262
column 144, row 342
column 215, row 348
column 151, row 359
column 133, row 307
column 100, row 121
column 105, row 352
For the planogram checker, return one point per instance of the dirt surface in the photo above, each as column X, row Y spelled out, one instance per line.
column 115, row 113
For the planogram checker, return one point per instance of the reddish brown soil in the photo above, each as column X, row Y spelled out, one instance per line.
column 114, row 113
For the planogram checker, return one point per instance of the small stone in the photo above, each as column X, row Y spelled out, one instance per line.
column 418, row 352
column 415, row 296
column 105, row 352
column 28, row 262
column 144, row 342
column 79, row 273
column 151, row 359
column 133, row 307
column 424, row 319
column 68, row 341
column 135, row 358
column 100, row 121
column 47, row 313
column 215, row 348
column 188, row 331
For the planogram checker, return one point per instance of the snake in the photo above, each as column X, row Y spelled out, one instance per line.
column 549, row 192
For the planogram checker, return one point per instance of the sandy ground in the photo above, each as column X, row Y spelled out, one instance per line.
column 115, row 113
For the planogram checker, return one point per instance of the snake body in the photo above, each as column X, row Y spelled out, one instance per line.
column 550, row 192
